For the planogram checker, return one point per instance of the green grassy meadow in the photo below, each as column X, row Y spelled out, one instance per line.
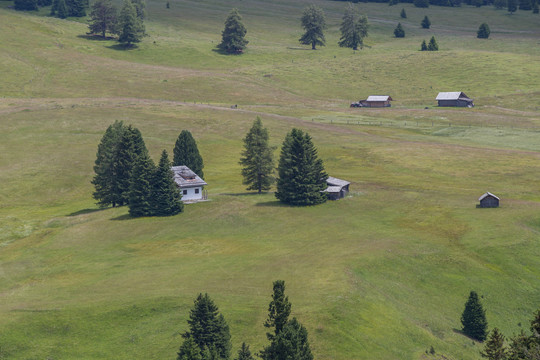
column 382, row 274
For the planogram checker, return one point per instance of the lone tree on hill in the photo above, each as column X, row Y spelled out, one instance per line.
column 140, row 190
column 403, row 14
column 494, row 348
column 186, row 153
column 473, row 318
column 302, row 178
column 257, row 159
column 426, row 23
column 208, row 330
column 433, row 46
column 130, row 26
column 313, row 22
column 398, row 31
column 103, row 18
column 483, row 31
column 233, row 36
column 166, row 199
column 354, row 28
column 512, row 6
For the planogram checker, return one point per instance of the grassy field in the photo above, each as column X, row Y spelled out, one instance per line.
column 382, row 274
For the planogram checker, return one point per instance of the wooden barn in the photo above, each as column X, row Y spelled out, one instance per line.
column 337, row 188
column 488, row 200
column 377, row 101
column 457, row 99
column 190, row 185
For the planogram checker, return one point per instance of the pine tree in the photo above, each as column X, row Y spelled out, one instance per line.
column 403, row 14
column 423, row 47
column 208, row 327
column 103, row 17
column 62, row 10
column 499, row 4
column 302, row 179
column 233, row 36
column 494, row 348
column 535, row 7
column 474, row 318
column 354, row 29
column 244, row 353
column 44, row 3
column 104, row 178
column 290, row 343
column 426, row 24
column 140, row 190
column 257, row 158
column 165, row 196
column 186, row 153
column 279, row 310
column 140, row 9
column 433, row 46
column 525, row 5
column 25, row 5
column 398, row 31
column 483, row 31
column 421, row 3
column 189, row 350
column 130, row 27
column 314, row 23
column 76, row 8
column 512, row 6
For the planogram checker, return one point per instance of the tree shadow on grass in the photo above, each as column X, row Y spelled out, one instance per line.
column 95, row 37
column 275, row 203
column 123, row 47
column 85, row 211
column 223, row 52
column 123, row 217
column 244, row 194
column 298, row 48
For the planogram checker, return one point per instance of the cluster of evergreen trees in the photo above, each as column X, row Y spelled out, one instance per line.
column 126, row 175
column 208, row 337
column 301, row 175
column 432, row 46
column 65, row 8
column 511, row 5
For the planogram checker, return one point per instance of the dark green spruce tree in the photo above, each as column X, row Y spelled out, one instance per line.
column 76, row 8
column 140, row 190
column 208, row 329
column 165, row 196
column 423, row 47
column 354, row 28
column 426, row 24
column 499, row 4
column 483, row 31
column 302, row 179
column 421, row 3
column 25, row 5
column 290, row 343
column 398, row 31
column 314, row 23
column 525, row 5
column 403, row 14
column 535, row 7
column 257, row 158
column 130, row 26
column 512, row 6
column 103, row 168
column 62, row 10
column 103, row 18
column 279, row 310
column 244, row 353
column 233, row 36
column 494, row 348
column 189, row 350
column 186, row 153
column 473, row 318
column 433, row 46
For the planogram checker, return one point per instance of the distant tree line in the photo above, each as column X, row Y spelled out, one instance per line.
column 209, row 338
column 526, row 5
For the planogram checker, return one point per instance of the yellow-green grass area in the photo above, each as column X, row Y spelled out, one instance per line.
column 382, row 274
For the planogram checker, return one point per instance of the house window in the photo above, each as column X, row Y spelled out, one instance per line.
column 184, row 192
column 196, row 191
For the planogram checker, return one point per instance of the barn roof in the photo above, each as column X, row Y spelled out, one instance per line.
column 332, row 181
column 456, row 95
column 184, row 177
column 333, row 189
column 379, row 98
column 486, row 195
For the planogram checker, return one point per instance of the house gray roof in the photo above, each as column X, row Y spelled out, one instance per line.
column 486, row 195
column 332, row 181
column 185, row 178
column 452, row 96
column 378, row 98
column 333, row 189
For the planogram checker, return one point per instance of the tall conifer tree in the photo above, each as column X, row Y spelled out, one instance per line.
column 314, row 23
column 257, row 158
column 130, row 26
column 62, row 10
column 473, row 318
column 25, row 5
column 512, row 6
column 103, row 17
column 290, row 343
column 494, row 348
column 233, row 36
column 140, row 190
column 354, row 28
column 398, row 31
column 302, row 179
column 426, row 23
column 279, row 310
column 187, row 153
column 244, row 353
column 166, row 198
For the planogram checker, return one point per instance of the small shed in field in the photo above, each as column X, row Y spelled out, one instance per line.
column 456, row 98
column 337, row 188
column 488, row 200
column 189, row 184
column 377, row 101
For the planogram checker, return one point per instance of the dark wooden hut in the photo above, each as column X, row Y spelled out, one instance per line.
column 456, row 98
column 337, row 188
column 377, row 101
column 488, row 200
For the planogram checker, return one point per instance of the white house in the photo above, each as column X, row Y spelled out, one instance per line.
column 189, row 184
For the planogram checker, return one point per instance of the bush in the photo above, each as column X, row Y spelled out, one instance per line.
column 398, row 31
